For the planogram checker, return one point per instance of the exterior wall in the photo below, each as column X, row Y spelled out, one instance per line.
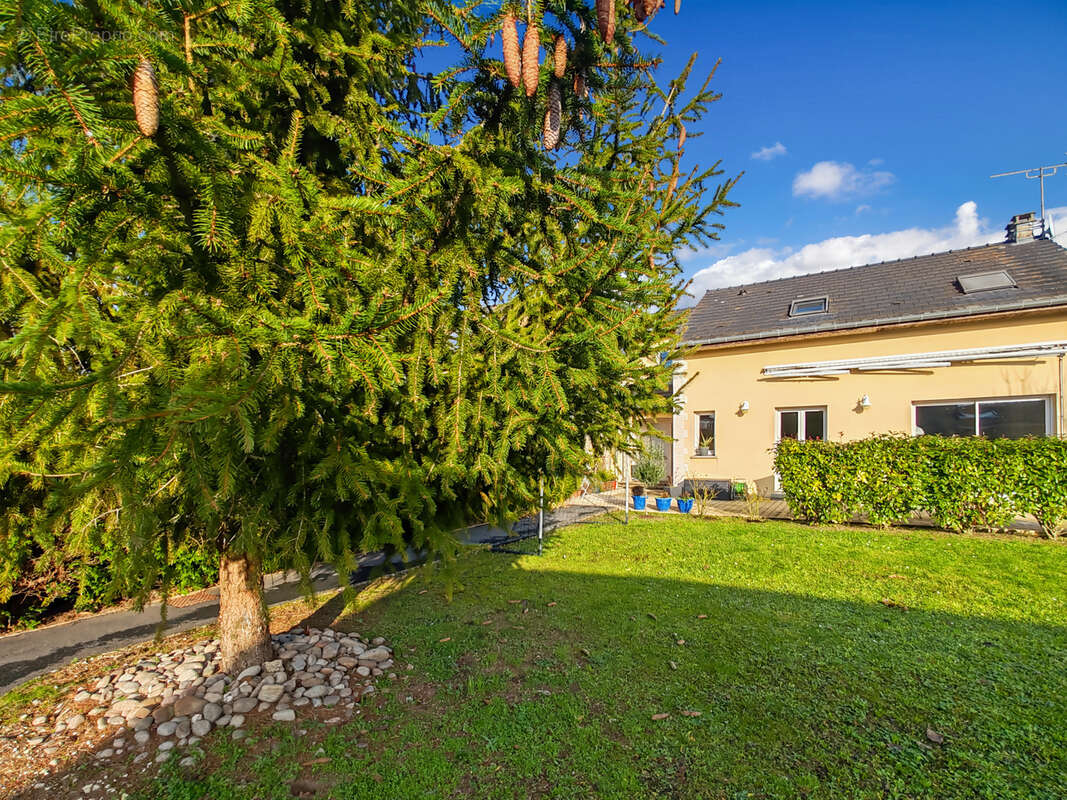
column 724, row 376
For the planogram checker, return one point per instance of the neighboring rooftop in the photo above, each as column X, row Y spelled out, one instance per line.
column 959, row 283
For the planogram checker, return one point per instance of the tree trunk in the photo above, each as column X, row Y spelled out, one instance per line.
column 244, row 635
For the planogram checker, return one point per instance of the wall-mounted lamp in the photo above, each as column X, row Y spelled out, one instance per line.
column 741, row 409
column 865, row 401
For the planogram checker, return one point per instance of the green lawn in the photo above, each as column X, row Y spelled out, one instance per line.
column 824, row 658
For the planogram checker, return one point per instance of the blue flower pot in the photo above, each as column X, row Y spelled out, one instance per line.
column 663, row 504
column 639, row 502
column 685, row 505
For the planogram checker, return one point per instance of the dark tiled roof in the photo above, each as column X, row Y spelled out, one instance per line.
column 909, row 290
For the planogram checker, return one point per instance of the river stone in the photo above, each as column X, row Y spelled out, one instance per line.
column 271, row 692
column 376, row 654
column 142, row 737
column 244, row 705
column 250, row 672
column 286, row 715
column 187, row 706
column 163, row 714
column 201, row 727
column 237, row 720
column 212, row 711
column 124, row 708
column 167, row 728
column 75, row 721
column 316, row 691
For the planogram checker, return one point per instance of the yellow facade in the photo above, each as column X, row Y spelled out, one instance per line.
column 723, row 377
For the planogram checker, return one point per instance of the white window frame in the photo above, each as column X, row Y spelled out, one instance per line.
column 803, row 301
column 1050, row 422
column 802, row 433
column 802, row 428
column 696, row 433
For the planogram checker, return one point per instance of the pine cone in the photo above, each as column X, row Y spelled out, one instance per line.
column 674, row 181
column 531, row 59
column 509, row 35
column 146, row 98
column 605, row 17
column 652, row 6
column 580, row 89
column 638, row 7
column 553, row 116
column 560, row 57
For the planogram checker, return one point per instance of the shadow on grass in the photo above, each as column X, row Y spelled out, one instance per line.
column 797, row 696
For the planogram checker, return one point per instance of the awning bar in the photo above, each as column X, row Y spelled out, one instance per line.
column 942, row 358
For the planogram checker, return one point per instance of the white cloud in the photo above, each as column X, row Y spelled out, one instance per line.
column 862, row 207
column 837, row 180
column 769, row 153
column 764, row 263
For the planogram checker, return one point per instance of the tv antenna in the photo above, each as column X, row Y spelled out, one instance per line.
column 1035, row 173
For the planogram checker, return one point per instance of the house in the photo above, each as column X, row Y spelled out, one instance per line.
column 968, row 342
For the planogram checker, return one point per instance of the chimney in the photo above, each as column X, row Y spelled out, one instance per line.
column 1021, row 227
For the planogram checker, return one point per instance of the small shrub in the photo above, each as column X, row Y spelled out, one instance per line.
column 752, row 501
column 703, row 494
column 649, row 469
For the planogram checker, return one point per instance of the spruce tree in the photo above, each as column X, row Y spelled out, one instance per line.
column 270, row 287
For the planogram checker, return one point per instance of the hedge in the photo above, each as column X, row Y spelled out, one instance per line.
column 965, row 483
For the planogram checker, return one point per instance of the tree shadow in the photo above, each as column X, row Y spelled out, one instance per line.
column 799, row 695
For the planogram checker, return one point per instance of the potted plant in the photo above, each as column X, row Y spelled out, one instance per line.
column 685, row 502
column 648, row 471
column 608, row 480
column 663, row 503
column 705, row 446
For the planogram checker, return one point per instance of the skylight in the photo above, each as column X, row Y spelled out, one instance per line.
column 809, row 305
column 985, row 281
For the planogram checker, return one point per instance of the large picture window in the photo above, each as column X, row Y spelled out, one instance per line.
column 706, row 434
column 1011, row 418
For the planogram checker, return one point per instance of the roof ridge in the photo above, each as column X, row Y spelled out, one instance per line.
column 860, row 266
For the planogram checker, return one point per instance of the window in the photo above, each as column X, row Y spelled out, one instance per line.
column 803, row 424
column 986, row 281
column 809, row 305
column 706, row 434
column 1003, row 418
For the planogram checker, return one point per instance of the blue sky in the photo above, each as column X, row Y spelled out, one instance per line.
column 882, row 123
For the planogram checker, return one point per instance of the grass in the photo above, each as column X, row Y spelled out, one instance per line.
column 822, row 662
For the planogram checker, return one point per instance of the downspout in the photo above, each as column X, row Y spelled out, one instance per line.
column 1061, row 429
